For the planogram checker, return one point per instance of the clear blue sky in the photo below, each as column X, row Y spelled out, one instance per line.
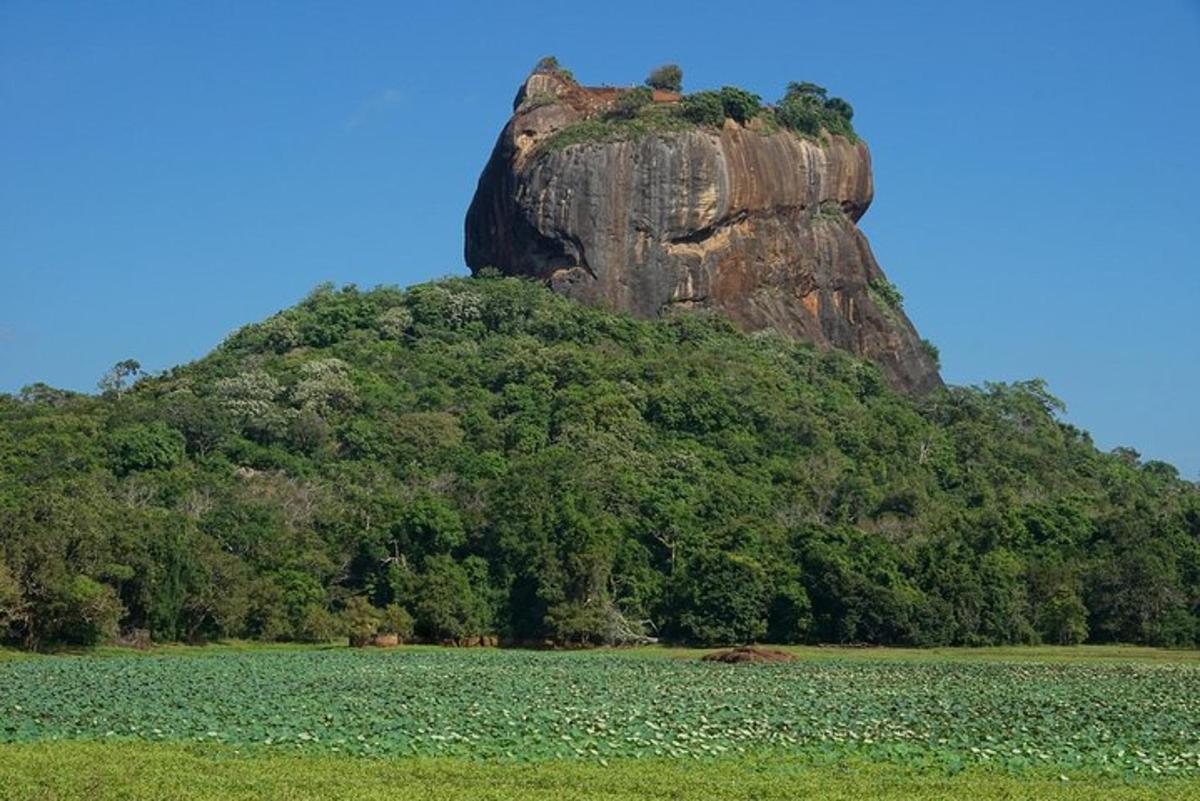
column 169, row 171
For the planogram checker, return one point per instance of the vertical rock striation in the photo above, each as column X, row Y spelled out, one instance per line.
column 758, row 225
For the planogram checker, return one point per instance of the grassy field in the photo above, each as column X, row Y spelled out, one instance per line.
column 241, row 721
column 80, row 771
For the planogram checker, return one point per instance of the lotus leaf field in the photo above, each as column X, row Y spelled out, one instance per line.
column 1119, row 719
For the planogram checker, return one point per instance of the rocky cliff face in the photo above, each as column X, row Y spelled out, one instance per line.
column 757, row 225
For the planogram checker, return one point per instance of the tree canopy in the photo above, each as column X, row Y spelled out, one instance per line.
column 482, row 457
column 668, row 77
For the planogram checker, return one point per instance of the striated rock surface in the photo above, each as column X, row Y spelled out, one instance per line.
column 757, row 225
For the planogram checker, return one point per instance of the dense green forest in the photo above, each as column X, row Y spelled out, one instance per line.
column 482, row 457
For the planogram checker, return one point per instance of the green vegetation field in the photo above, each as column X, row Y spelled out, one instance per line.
column 420, row 723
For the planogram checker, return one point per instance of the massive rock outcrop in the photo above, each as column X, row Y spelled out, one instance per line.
column 757, row 224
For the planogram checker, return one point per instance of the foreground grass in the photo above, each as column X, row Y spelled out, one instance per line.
column 91, row 771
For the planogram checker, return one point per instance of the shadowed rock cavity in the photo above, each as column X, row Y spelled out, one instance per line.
column 757, row 226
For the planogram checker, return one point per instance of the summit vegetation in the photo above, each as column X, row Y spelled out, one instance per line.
column 805, row 108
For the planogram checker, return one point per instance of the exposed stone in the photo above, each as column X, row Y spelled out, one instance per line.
column 755, row 224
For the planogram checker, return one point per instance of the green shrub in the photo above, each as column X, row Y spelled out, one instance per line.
column 115, row 381
column 722, row 598
column 12, row 603
column 1062, row 620
column 838, row 125
column 884, row 292
column 806, row 89
column 360, row 621
column 651, row 118
column 703, row 108
column 446, row 605
column 396, row 620
column 799, row 116
column 931, row 350
column 829, row 210
column 307, row 432
column 249, row 401
column 668, row 78
column 317, row 624
column 325, row 386
column 280, row 333
column 154, row 446
column 395, row 323
column 739, row 105
column 549, row 65
column 790, row 615
column 90, row 614
column 806, row 109
column 579, row 622
column 631, row 102
column 840, row 107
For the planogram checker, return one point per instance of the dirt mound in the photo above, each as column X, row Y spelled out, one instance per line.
column 748, row 653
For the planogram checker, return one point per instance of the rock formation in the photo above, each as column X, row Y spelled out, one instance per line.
column 753, row 222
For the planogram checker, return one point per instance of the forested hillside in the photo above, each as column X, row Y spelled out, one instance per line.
column 493, row 459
